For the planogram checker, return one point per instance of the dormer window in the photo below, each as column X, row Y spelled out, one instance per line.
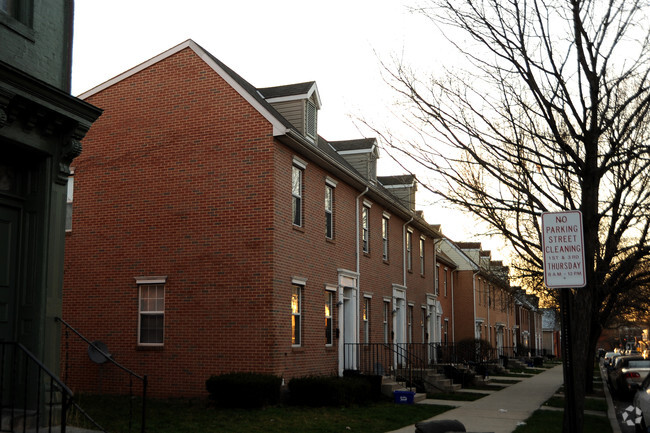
column 310, row 127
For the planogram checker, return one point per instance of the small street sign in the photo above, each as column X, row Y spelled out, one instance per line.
column 563, row 249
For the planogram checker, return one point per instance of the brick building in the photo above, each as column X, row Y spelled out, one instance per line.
column 213, row 230
column 485, row 306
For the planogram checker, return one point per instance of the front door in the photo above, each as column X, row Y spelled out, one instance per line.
column 9, row 232
column 399, row 325
column 348, row 323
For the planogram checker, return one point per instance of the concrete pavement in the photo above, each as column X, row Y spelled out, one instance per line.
column 503, row 410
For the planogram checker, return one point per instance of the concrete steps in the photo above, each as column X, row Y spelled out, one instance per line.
column 389, row 386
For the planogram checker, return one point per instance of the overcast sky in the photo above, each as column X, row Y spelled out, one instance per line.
column 339, row 44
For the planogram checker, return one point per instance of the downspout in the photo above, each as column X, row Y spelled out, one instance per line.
column 453, row 314
column 474, row 297
column 488, row 316
column 404, row 247
column 436, row 286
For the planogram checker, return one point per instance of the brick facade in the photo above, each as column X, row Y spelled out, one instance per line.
column 185, row 181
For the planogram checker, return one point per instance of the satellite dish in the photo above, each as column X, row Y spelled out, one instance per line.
column 97, row 351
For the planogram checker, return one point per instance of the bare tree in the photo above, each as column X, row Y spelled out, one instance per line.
column 551, row 114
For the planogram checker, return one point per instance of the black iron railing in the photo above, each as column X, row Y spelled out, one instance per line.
column 413, row 358
column 132, row 410
column 32, row 398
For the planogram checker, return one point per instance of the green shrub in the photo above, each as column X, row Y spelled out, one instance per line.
column 333, row 391
column 246, row 390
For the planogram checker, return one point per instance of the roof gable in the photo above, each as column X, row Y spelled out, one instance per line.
column 241, row 86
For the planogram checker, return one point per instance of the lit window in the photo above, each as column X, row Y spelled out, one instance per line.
column 296, row 193
column 384, row 236
column 152, row 314
column 329, row 297
column 296, row 308
column 366, row 320
column 329, row 212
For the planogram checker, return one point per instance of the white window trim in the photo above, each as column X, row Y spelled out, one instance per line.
column 147, row 281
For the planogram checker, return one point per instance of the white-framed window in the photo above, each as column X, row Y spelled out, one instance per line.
column 69, row 199
column 329, row 301
column 423, row 324
column 296, row 194
column 422, row 244
column 445, row 270
column 446, row 331
column 436, row 280
column 384, row 236
column 365, row 227
column 329, row 211
column 387, row 315
column 151, row 317
column 409, row 250
column 409, row 323
column 296, row 315
column 366, row 320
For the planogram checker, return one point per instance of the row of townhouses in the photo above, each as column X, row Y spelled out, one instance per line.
column 211, row 229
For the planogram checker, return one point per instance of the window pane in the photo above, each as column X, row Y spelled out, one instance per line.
column 296, row 181
column 328, row 198
column 151, row 328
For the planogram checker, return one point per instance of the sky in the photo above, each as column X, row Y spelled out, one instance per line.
column 339, row 44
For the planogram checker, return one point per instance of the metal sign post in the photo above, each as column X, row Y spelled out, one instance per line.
column 564, row 268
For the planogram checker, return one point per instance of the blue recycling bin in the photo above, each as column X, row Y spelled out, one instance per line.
column 403, row 397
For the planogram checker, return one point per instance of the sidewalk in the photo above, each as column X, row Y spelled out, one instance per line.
column 503, row 410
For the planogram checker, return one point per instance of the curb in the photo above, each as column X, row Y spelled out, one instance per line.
column 611, row 413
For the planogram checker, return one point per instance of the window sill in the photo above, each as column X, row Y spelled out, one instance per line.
column 298, row 228
column 330, row 240
column 297, row 349
column 150, row 348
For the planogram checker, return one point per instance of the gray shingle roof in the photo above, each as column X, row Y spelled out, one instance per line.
column 287, row 90
column 358, row 144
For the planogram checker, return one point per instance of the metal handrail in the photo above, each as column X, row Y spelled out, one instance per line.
column 109, row 357
column 35, row 392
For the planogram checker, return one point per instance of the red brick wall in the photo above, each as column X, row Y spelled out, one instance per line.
column 464, row 306
column 174, row 181
column 182, row 178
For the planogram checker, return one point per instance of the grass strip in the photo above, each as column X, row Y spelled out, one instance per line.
column 197, row 416
column 590, row 403
column 547, row 421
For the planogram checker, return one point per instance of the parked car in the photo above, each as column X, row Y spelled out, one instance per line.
column 642, row 401
column 628, row 374
column 609, row 359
